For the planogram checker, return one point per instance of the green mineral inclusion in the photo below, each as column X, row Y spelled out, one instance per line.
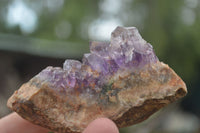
column 106, row 88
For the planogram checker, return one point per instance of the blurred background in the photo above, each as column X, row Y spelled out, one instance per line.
column 36, row 34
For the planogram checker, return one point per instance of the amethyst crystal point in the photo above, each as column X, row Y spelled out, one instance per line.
column 97, row 63
column 100, row 48
column 128, row 48
column 72, row 65
column 54, row 76
column 122, row 80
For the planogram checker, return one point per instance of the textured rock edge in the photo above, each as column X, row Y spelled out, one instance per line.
column 20, row 102
column 150, row 106
column 26, row 109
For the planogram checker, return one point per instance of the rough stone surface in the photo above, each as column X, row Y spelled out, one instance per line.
column 121, row 79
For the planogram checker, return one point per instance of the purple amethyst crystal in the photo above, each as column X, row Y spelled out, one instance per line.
column 121, row 80
column 100, row 48
column 96, row 62
column 127, row 50
column 72, row 65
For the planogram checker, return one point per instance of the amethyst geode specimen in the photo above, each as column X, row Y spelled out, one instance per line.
column 121, row 79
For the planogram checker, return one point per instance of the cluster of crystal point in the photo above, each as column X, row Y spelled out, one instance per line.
column 127, row 51
column 122, row 80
